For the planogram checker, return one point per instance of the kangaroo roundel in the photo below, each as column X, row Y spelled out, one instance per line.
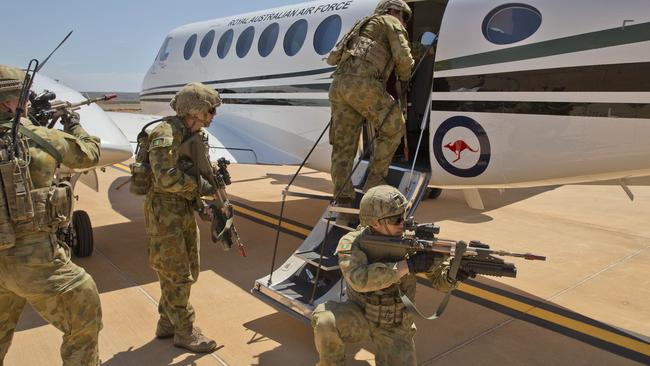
column 462, row 147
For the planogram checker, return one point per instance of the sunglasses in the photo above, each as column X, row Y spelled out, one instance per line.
column 394, row 220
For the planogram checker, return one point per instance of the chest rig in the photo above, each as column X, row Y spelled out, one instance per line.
column 24, row 208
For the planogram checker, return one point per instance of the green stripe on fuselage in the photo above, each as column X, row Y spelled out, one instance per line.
column 582, row 42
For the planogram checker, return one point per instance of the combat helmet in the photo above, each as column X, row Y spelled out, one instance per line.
column 385, row 5
column 11, row 81
column 195, row 98
column 381, row 202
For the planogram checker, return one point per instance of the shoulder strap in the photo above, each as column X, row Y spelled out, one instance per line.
column 453, row 271
column 41, row 142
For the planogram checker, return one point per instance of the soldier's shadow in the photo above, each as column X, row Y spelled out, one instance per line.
column 156, row 352
column 295, row 341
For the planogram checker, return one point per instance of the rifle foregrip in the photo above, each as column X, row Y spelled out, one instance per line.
column 489, row 268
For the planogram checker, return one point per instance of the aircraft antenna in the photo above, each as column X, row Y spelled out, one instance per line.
column 51, row 53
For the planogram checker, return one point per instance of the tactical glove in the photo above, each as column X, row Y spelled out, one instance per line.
column 70, row 120
column 463, row 274
column 421, row 262
column 206, row 188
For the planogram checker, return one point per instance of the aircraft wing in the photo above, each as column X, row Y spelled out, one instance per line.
column 224, row 141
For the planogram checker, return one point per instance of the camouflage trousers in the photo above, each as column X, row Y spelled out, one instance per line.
column 38, row 270
column 173, row 254
column 336, row 324
column 353, row 100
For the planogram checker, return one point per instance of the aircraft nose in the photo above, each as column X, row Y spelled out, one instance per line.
column 114, row 153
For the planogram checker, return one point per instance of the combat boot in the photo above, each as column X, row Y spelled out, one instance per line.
column 345, row 219
column 193, row 340
column 164, row 329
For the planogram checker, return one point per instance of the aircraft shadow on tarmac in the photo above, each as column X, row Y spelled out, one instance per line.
column 468, row 319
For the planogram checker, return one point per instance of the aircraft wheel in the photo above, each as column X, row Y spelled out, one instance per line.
column 83, row 243
column 433, row 193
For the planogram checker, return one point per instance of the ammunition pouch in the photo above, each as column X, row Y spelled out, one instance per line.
column 16, row 206
column 140, row 178
column 52, row 208
column 25, row 209
column 371, row 52
column 381, row 309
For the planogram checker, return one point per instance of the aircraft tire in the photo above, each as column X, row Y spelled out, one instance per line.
column 433, row 193
column 83, row 244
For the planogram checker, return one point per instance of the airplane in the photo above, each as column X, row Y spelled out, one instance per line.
column 517, row 95
column 524, row 94
column 114, row 148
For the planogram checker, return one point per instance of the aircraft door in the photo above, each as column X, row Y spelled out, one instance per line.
column 423, row 29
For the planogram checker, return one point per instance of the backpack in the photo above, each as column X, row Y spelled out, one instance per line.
column 337, row 55
column 141, row 169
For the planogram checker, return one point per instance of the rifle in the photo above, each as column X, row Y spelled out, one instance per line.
column 223, row 228
column 20, row 109
column 44, row 110
column 475, row 257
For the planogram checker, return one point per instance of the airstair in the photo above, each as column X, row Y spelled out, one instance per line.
column 311, row 275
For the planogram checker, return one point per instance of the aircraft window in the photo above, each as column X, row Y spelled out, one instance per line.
column 224, row 43
column 206, row 43
column 164, row 50
column 511, row 23
column 268, row 38
column 327, row 34
column 189, row 46
column 245, row 41
column 295, row 37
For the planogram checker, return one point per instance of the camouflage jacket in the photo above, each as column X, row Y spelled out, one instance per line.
column 364, row 277
column 389, row 34
column 78, row 149
column 166, row 167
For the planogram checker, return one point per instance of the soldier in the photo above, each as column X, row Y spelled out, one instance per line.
column 35, row 266
column 374, row 309
column 169, row 215
column 375, row 46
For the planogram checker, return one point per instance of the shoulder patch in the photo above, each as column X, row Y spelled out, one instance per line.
column 160, row 142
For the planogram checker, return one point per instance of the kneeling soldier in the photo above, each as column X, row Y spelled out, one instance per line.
column 374, row 309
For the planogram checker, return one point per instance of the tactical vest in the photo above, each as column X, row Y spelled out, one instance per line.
column 23, row 208
column 383, row 308
column 364, row 48
column 141, row 176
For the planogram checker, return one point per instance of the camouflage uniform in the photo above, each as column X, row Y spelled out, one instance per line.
column 38, row 269
column 358, row 92
column 374, row 310
column 170, row 224
column 169, row 220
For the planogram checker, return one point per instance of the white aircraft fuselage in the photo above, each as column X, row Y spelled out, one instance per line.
column 115, row 147
column 518, row 95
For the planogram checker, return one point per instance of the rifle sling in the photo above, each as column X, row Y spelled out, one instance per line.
column 453, row 271
column 49, row 148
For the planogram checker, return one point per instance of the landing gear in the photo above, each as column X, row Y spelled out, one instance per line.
column 81, row 235
column 433, row 193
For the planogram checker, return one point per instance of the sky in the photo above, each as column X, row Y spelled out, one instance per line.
column 113, row 42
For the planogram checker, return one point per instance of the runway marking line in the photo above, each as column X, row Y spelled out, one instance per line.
column 566, row 322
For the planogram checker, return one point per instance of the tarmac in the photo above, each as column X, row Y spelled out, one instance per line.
column 588, row 304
